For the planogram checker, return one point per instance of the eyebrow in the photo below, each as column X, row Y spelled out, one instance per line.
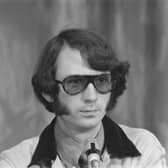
column 80, row 75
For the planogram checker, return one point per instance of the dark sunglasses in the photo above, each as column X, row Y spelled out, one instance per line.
column 75, row 84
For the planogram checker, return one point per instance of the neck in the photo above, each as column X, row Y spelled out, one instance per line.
column 71, row 143
column 80, row 135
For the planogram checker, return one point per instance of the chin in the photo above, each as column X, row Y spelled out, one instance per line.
column 89, row 123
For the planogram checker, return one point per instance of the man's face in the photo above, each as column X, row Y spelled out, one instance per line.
column 85, row 109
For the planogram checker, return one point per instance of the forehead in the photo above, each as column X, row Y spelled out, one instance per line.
column 70, row 62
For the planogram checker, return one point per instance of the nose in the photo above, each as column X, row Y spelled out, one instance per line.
column 89, row 94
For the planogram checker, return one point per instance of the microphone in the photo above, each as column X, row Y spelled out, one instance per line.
column 93, row 156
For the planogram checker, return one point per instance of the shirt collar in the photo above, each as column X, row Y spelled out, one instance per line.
column 116, row 142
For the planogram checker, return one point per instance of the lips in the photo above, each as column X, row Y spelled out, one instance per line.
column 89, row 110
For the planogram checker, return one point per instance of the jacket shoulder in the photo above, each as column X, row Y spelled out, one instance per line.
column 19, row 155
column 141, row 137
column 152, row 152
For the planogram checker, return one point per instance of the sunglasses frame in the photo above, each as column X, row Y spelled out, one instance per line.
column 89, row 79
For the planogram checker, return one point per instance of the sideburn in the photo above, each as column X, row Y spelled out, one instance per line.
column 60, row 109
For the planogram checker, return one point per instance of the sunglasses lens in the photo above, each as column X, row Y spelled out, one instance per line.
column 74, row 84
column 103, row 83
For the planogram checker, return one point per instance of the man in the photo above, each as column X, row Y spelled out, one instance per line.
column 79, row 79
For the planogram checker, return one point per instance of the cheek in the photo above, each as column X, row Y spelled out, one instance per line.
column 69, row 101
column 104, row 100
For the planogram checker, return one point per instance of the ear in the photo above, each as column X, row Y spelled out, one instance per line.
column 47, row 101
column 47, row 97
column 34, row 166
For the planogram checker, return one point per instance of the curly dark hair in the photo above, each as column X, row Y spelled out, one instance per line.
column 94, row 49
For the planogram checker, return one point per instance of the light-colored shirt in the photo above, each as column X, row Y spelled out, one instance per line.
column 124, row 147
